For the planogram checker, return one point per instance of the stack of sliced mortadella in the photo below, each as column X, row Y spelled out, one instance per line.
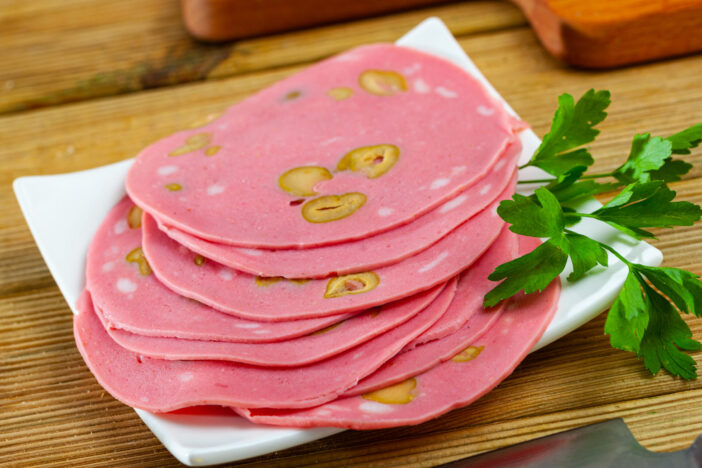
column 318, row 255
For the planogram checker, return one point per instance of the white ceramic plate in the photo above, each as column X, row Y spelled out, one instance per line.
column 64, row 211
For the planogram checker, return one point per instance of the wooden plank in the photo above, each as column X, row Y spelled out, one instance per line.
column 220, row 20
column 57, row 52
column 605, row 34
column 661, row 98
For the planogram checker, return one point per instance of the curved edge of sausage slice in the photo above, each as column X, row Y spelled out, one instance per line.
column 301, row 351
column 473, row 284
column 465, row 321
column 220, row 182
column 159, row 385
column 452, row 384
column 250, row 297
column 130, row 297
column 370, row 253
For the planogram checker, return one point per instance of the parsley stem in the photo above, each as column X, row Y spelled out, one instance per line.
column 536, row 181
column 616, row 254
column 542, row 181
column 597, row 176
column 584, row 215
column 607, row 247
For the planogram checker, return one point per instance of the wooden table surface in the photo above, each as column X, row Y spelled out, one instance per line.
column 89, row 82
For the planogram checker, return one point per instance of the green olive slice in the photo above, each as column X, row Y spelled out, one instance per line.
column 382, row 82
column 292, row 95
column 137, row 256
column 192, row 143
column 134, row 217
column 332, row 207
column 355, row 283
column 373, row 161
column 340, row 94
column 265, row 281
column 212, row 150
column 327, row 329
column 468, row 354
column 299, row 280
column 398, row 394
column 300, row 181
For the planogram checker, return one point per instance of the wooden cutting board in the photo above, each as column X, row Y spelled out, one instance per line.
column 585, row 33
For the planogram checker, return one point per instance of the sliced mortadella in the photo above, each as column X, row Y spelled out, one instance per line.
column 301, row 351
column 159, row 385
column 364, row 254
column 415, row 132
column 418, row 359
column 465, row 321
column 473, row 284
column 457, row 382
column 254, row 298
column 132, row 299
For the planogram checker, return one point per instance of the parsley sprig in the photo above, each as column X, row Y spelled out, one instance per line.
column 645, row 317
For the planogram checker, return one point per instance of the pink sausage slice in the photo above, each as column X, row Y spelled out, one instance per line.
column 473, row 284
column 220, row 182
column 365, row 254
column 243, row 295
column 466, row 316
column 140, row 304
column 159, row 385
column 290, row 353
column 418, row 359
column 449, row 385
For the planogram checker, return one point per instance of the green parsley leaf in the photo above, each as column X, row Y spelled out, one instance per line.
column 666, row 335
column 585, row 189
column 585, row 254
column 695, row 288
column 650, row 158
column 647, row 204
column 542, row 217
column 678, row 285
column 647, row 154
column 641, row 320
column 685, row 140
column 568, row 188
column 671, row 171
column 572, row 126
column 531, row 272
column 565, row 162
column 628, row 317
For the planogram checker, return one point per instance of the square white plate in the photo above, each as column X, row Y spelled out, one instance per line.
column 64, row 211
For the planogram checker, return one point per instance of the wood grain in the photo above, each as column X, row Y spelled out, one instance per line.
column 593, row 34
column 58, row 52
column 603, row 34
column 53, row 413
column 219, row 20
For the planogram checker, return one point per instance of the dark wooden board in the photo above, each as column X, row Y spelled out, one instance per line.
column 606, row 33
column 592, row 33
column 219, row 20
